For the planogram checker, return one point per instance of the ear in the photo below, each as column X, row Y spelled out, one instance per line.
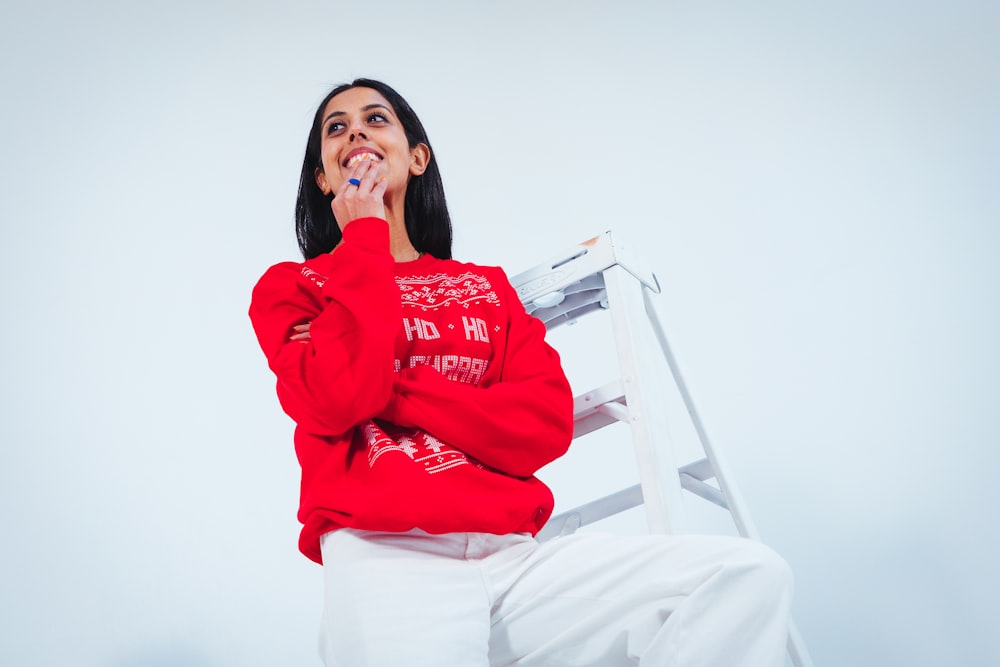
column 321, row 181
column 420, row 157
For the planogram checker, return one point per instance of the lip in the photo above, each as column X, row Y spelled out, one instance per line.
column 361, row 149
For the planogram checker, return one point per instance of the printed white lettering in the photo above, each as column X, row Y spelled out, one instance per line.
column 429, row 330
column 477, row 368
column 448, row 364
column 424, row 330
column 454, row 367
column 464, row 366
column 475, row 329
column 410, row 330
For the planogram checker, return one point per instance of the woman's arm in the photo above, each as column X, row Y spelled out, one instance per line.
column 341, row 372
column 516, row 424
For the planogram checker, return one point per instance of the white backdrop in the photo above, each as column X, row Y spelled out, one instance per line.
column 814, row 184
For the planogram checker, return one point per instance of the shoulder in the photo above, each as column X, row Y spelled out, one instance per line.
column 290, row 285
column 290, row 274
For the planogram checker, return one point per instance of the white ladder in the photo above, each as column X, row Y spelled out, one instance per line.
column 601, row 274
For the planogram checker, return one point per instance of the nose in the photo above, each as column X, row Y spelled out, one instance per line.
column 357, row 133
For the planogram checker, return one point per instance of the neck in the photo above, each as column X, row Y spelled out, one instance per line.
column 399, row 241
column 401, row 248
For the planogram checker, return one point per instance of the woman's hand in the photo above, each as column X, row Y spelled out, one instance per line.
column 351, row 202
column 301, row 332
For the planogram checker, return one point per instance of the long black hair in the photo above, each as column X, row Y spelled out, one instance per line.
column 426, row 212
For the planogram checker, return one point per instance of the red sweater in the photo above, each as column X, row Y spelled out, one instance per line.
column 426, row 396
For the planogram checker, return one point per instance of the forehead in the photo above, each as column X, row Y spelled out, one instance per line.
column 355, row 99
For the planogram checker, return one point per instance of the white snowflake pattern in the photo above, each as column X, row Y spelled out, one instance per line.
column 441, row 290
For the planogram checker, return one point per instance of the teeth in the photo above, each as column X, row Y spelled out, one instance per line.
column 362, row 156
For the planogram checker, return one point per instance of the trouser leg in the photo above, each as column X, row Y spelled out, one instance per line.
column 606, row 600
column 395, row 599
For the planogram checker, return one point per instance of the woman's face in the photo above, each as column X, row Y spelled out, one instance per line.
column 360, row 125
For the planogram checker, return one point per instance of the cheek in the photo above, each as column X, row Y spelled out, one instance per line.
column 331, row 171
column 329, row 162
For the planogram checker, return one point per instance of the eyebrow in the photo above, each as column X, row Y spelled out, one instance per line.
column 369, row 107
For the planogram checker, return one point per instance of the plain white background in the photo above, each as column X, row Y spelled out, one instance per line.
column 814, row 184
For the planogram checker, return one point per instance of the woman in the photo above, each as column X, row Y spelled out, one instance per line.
column 425, row 399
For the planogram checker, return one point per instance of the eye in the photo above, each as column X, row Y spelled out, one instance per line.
column 334, row 127
column 377, row 118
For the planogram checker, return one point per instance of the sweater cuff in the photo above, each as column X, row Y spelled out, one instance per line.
column 368, row 233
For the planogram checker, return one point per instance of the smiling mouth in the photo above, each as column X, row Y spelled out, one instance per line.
column 358, row 157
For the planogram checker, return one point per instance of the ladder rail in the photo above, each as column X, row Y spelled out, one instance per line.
column 660, row 489
column 736, row 505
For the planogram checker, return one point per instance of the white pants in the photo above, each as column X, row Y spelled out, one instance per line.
column 475, row 600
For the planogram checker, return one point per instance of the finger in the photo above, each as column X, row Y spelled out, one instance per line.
column 361, row 200
column 379, row 189
column 342, row 190
column 366, row 174
column 356, row 173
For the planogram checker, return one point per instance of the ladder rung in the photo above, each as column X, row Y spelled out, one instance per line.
column 706, row 491
column 701, row 469
column 617, row 411
column 591, row 423
column 566, row 523
column 588, row 415
column 593, row 399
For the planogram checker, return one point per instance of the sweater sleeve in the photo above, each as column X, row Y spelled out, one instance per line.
column 518, row 423
column 343, row 374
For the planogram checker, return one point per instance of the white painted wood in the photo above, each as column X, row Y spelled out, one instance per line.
column 601, row 274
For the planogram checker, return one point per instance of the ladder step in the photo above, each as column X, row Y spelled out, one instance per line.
column 589, row 413
column 700, row 470
column 567, row 522
column 693, row 476
column 703, row 490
